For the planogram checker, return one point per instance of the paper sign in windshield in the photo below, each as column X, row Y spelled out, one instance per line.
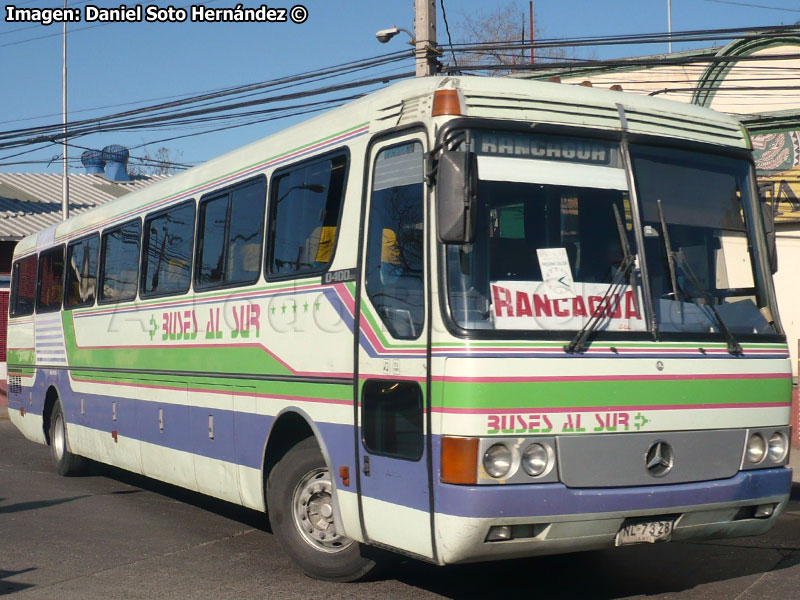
column 556, row 272
column 530, row 305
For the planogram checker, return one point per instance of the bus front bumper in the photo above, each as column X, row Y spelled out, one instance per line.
column 531, row 520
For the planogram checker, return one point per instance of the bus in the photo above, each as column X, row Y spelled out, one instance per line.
column 460, row 319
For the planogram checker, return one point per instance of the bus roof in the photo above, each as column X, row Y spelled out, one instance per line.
column 408, row 102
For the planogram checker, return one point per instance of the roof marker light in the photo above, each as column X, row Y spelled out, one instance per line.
column 446, row 102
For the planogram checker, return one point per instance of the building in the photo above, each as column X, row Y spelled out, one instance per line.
column 32, row 201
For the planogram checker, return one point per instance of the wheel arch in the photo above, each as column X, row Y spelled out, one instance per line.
column 291, row 426
column 51, row 396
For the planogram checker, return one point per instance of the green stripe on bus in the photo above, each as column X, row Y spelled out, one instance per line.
column 21, row 357
column 211, row 359
column 685, row 392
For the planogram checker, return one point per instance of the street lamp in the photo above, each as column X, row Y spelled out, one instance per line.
column 384, row 35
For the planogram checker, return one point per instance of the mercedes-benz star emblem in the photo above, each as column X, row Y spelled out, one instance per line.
column 659, row 458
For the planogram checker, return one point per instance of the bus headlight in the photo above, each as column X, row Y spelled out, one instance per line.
column 497, row 460
column 756, row 448
column 535, row 459
column 777, row 447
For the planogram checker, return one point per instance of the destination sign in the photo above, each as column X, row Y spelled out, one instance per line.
column 528, row 305
column 546, row 147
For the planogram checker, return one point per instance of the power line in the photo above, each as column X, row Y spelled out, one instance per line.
column 77, row 29
column 771, row 32
column 754, row 5
column 739, row 88
column 98, row 126
column 447, row 28
column 310, row 75
column 191, row 97
column 37, row 25
column 629, row 62
column 205, row 132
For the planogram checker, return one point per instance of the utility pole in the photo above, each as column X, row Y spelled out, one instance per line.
column 425, row 36
column 669, row 24
column 530, row 9
column 65, row 175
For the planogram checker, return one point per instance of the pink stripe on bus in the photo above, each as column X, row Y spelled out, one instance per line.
column 568, row 409
column 580, row 378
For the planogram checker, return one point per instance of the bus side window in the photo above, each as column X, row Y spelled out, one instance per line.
column 82, row 272
column 230, row 235
column 392, row 418
column 167, row 263
column 51, row 280
column 304, row 216
column 120, row 260
column 23, row 287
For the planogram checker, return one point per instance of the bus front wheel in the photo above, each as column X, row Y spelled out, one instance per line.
column 66, row 462
column 300, row 506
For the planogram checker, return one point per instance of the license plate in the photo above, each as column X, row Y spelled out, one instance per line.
column 646, row 532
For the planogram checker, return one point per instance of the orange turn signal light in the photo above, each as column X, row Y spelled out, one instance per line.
column 459, row 460
column 446, row 102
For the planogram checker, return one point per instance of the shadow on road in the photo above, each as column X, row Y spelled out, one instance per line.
column 247, row 516
column 23, row 506
column 614, row 573
column 9, row 587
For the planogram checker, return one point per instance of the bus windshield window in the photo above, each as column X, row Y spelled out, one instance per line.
column 705, row 202
column 551, row 236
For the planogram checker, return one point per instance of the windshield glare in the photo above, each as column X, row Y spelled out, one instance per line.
column 706, row 204
column 543, row 258
column 553, row 222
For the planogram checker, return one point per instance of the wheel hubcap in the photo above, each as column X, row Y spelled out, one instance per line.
column 312, row 509
column 58, row 437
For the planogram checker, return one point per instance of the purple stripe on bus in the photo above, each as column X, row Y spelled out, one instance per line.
column 561, row 354
column 400, row 483
column 551, row 499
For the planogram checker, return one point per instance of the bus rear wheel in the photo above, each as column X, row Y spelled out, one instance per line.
column 300, row 505
column 66, row 462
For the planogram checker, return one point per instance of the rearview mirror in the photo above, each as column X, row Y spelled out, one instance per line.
column 456, row 185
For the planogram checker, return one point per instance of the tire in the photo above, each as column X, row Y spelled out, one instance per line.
column 300, row 512
column 65, row 461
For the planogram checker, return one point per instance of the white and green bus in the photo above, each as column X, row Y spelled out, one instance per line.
column 460, row 319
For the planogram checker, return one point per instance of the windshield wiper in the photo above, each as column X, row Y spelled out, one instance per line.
column 733, row 346
column 670, row 256
column 678, row 257
column 578, row 343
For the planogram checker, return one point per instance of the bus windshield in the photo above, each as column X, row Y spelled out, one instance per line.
column 554, row 225
column 695, row 211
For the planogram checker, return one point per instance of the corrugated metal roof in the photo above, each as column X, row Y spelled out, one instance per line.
column 32, row 201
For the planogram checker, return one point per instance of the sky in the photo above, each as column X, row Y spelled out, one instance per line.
column 119, row 66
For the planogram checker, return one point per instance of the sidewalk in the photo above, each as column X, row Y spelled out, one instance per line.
column 794, row 462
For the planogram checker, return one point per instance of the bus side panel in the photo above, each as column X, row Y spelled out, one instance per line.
column 21, row 376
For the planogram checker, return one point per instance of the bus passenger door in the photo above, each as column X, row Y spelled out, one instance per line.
column 392, row 359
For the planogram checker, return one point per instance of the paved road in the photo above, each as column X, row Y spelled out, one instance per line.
column 114, row 535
